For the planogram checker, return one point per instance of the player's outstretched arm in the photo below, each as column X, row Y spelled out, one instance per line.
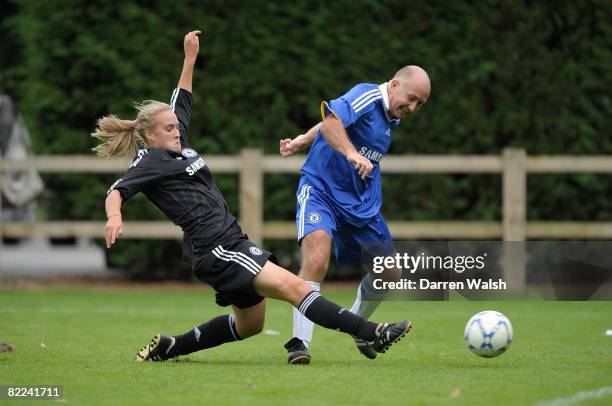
column 336, row 136
column 290, row 146
column 191, row 44
column 114, row 224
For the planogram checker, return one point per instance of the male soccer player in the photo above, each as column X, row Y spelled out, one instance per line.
column 339, row 195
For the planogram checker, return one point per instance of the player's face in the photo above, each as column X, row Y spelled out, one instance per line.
column 165, row 132
column 406, row 97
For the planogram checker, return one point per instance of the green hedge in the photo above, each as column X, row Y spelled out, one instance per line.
column 504, row 73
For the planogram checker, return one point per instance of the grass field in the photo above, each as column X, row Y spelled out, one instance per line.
column 90, row 337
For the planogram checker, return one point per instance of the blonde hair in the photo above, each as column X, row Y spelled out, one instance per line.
column 123, row 138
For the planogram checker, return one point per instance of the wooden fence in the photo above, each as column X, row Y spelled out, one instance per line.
column 251, row 164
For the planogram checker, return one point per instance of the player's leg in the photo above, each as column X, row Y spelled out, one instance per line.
column 241, row 324
column 230, row 270
column 373, row 239
column 315, row 223
column 278, row 283
column 315, row 249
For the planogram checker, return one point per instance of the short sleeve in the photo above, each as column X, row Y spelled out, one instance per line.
column 142, row 173
column 182, row 103
column 352, row 105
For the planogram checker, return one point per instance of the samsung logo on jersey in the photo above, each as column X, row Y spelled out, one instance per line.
column 371, row 154
column 195, row 166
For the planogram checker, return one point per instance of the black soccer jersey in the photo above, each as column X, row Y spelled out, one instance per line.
column 182, row 186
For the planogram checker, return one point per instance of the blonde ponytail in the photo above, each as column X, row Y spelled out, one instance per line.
column 119, row 137
column 123, row 138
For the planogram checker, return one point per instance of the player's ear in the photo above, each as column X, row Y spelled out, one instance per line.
column 394, row 83
column 149, row 136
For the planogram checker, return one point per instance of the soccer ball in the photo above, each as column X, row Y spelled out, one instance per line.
column 488, row 334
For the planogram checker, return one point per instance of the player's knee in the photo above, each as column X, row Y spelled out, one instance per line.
column 250, row 331
column 251, row 328
column 316, row 248
column 314, row 266
column 316, row 263
column 257, row 326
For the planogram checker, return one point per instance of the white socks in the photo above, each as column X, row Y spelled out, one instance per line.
column 363, row 308
column 302, row 327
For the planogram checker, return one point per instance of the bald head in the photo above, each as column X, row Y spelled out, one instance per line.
column 415, row 74
column 408, row 91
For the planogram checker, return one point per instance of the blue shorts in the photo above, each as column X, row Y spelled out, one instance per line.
column 316, row 211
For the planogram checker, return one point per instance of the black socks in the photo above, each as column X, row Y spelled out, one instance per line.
column 220, row 330
column 327, row 314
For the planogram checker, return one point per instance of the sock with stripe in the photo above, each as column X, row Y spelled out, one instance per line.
column 329, row 315
column 220, row 330
column 302, row 327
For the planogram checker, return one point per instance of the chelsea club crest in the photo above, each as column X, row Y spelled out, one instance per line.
column 314, row 217
column 188, row 153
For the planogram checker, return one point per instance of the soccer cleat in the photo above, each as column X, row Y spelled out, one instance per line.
column 157, row 350
column 388, row 334
column 298, row 353
column 365, row 348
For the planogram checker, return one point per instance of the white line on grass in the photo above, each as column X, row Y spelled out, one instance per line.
column 578, row 397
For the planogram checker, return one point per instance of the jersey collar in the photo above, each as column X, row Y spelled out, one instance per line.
column 383, row 90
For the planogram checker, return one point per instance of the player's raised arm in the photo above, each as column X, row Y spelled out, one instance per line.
column 191, row 45
column 290, row 146
column 336, row 136
column 181, row 100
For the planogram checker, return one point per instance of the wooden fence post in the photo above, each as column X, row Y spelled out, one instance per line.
column 514, row 217
column 251, row 194
column 515, row 194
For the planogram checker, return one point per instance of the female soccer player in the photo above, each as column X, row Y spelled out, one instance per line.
column 177, row 180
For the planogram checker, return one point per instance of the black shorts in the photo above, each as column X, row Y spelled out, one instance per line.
column 230, row 268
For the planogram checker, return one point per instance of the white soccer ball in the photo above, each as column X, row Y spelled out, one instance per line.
column 488, row 334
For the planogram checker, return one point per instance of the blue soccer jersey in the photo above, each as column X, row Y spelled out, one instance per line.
column 363, row 111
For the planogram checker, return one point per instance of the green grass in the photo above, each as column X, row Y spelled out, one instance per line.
column 91, row 336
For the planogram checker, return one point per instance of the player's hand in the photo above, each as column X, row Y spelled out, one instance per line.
column 288, row 147
column 362, row 165
column 191, row 44
column 113, row 229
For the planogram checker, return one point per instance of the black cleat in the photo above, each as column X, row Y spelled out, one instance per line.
column 157, row 350
column 298, row 353
column 388, row 334
column 365, row 348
